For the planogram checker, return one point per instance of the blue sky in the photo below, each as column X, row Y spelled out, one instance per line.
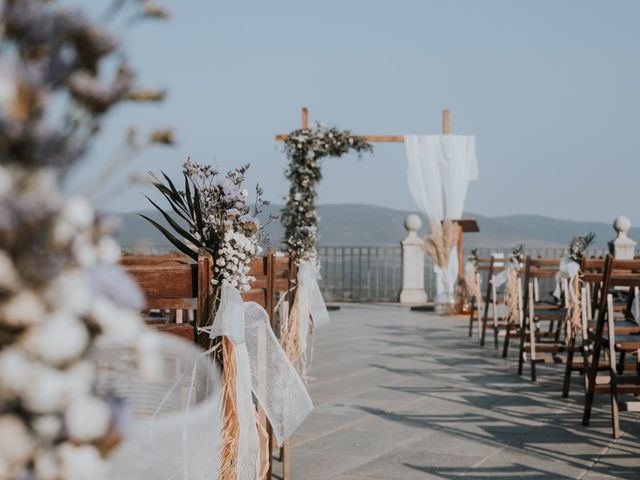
column 550, row 88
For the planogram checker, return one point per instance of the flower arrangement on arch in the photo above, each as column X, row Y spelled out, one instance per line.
column 305, row 148
column 213, row 212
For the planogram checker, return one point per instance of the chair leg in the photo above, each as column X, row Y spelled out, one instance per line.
column 472, row 317
column 621, row 363
column 286, row 464
column 532, row 350
column 521, row 349
column 505, row 347
column 483, row 332
column 496, row 331
column 568, row 369
column 615, row 412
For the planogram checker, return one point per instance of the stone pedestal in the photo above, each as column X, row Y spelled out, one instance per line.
column 413, row 264
column 622, row 247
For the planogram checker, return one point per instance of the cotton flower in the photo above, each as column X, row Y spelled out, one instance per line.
column 16, row 444
column 108, row 250
column 116, row 323
column 60, row 339
column 70, row 291
column 47, row 392
column 22, row 310
column 87, row 419
column 81, row 462
column 16, row 370
column 47, row 427
column 46, row 466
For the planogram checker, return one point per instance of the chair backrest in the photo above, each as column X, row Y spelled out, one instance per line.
column 537, row 269
column 173, row 282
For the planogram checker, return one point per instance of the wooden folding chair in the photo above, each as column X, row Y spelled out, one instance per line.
column 173, row 283
column 591, row 276
column 618, row 337
column 494, row 304
column 537, row 344
column 476, row 308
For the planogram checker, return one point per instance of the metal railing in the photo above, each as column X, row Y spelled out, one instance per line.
column 374, row 274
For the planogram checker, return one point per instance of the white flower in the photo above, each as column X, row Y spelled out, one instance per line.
column 70, row 292
column 16, row 444
column 77, row 212
column 60, row 339
column 47, row 427
column 46, row 466
column 82, row 462
column 87, row 418
column 22, row 310
column 8, row 275
column 120, row 325
column 108, row 250
column 16, row 371
column 84, row 252
column 50, row 390
column 46, row 392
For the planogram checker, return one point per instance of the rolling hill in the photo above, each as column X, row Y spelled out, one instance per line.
column 367, row 225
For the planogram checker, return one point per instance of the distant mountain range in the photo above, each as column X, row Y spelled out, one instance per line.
column 368, row 225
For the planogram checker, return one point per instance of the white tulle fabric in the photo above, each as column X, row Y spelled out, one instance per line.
column 439, row 169
column 567, row 270
column 171, row 412
column 264, row 371
column 312, row 306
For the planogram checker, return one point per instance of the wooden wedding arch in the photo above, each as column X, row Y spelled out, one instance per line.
column 466, row 225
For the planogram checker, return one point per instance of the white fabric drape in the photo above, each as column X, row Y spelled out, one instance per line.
column 312, row 304
column 440, row 168
column 264, row 371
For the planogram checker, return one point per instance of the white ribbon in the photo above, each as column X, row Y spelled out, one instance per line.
column 567, row 270
column 503, row 276
column 312, row 306
column 265, row 371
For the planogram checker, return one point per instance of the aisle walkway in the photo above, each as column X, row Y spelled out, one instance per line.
column 407, row 395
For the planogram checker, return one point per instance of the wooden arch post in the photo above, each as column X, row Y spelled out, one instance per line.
column 464, row 224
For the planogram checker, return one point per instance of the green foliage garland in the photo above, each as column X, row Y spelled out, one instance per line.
column 305, row 148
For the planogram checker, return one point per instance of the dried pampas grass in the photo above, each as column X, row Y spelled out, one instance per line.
column 574, row 310
column 441, row 241
column 230, row 422
column 472, row 285
column 512, row 297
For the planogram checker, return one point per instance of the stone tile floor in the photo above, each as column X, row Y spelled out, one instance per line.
column 408, row 395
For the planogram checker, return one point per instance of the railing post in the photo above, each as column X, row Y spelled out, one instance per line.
column 622, row 247
column 413, row 263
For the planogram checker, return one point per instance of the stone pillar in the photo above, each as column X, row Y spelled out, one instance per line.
column 622, row 247
column 413, row 263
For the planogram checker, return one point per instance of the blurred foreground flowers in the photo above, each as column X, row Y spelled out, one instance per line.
column 60, row 287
